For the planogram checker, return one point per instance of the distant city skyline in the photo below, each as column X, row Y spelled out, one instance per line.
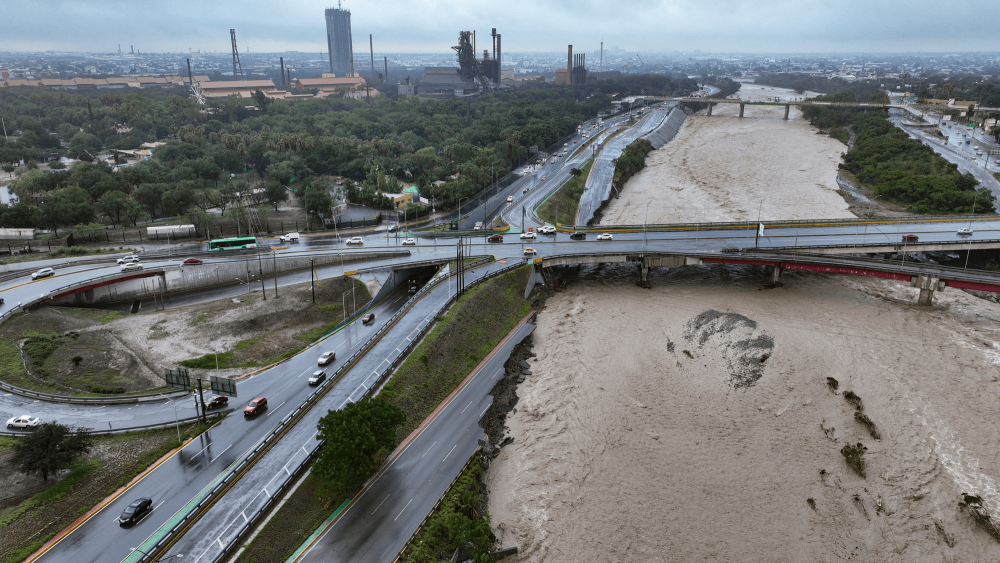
column 662, row 26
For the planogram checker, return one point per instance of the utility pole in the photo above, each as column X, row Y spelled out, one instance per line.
column 312, row 278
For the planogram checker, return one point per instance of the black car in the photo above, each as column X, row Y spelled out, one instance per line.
column 578, row 236
column 135, row 511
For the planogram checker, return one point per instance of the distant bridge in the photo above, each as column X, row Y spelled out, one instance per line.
column 743, row 103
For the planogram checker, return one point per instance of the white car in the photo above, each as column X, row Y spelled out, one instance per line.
column 43, row 273
column 355, row 240
column 130, row 259
column 528, row 234
column 131, row 266
column 23, row 421
column 964, row 231
column 409, row 242
column 326, row 358
column 605, row 236
column 528, row 251
column 510, row 198
column 547, row 230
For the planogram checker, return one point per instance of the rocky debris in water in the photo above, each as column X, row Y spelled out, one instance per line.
column 743, row 345
column 974, row 504
column 504, row 392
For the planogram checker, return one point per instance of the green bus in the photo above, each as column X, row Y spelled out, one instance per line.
column 233, row 243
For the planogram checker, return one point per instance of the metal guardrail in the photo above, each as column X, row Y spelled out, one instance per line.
column 238, row 469
column 790, row 223
column 212, row 415
column 92, row 400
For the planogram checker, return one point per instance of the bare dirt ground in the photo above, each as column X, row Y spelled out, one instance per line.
column 694, row 421
column 725, row 168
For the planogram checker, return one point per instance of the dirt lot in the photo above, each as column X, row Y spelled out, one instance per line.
column 92, row 351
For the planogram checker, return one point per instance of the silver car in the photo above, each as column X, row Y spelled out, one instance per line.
column 23, row 421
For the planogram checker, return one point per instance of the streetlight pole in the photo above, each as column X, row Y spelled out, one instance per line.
column 312, row 278
column 645, row 219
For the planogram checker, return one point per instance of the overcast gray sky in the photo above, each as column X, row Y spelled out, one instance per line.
column 788, row 26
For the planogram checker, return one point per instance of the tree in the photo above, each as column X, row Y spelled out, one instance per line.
column 575, row 172
column 133, row 212
column 276, row 193
column 68, row 206
column 50, row 447
column 317, row 200
column 358, row 438
column 112, row 204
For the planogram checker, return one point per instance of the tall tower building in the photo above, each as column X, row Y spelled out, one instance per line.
column 338, row 40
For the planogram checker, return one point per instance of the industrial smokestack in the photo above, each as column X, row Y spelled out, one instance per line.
column 329, row 49
column 386, row 61
column 371, row 49
column 601, row 68
column 569, row 66
column 190, row 76
column 282, row 59
column 494, row 34
column 499, row 56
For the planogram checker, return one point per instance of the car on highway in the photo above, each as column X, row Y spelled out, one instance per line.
column 318, row 376
column 134, row 512
column 510, row 199
column 131, row 266
column 23, row 421
column 326, row 357
column 528, row 234
column 578, row 235
column 43, row 273
column 192, row 261
column 392, row 229
column 547, row 230
column 255, row 406
column 128, row 259
column 355, row 240
column 217, row 401
column 524, row 191
column 910, row 238
column 605, row 236
column 965, row 231
column 543, row 177
column 290, row 237
column 494, row 238
column 409, row 242
column 528, row 251
column 368, row 319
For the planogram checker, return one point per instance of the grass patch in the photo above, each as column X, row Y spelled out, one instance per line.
column 80, row 469
column 459, row 341
column 294, row 522
column 100, row 315
column 63, row 252
column 6, row 442
column 454, row 523
column 200, row 319
column 565, row 200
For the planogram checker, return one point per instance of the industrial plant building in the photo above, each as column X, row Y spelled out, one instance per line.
column 473, row 76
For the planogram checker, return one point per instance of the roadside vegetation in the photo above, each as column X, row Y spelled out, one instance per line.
column 632, row 160
column 457, row 522
column 461, row 339
column 897, row 168
column 62, row 252
column 35, row 510
column 561, row 206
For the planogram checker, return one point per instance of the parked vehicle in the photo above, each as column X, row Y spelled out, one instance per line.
column 355, row 240
column 318, row 376
column 128, row 259
column 43, row 273
column 326, row 358
column 135, row 511
column 131, row 266
column 578, row 235
column 216, row 402
column 368, row 319
column 192, row 261
column 255, row 407
column 23, row 421
column 290, row 237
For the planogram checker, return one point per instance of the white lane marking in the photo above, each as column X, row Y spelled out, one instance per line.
column 199, row 453
column 449, row 453
column 276, row 408
column 265, row 492
column 380, row 504
column 159, row 505
column 484, row 411
column 401, row 511
column 220, row 453
column 428, row 449
column 466, row 406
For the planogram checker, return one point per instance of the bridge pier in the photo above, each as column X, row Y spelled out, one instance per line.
column 742, row 105
column 775, row 274
column 645, row 274
column 710, row 109
column 928, row 285
column 786, row 110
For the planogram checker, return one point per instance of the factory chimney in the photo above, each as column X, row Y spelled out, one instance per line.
column 190, row 77
column 282, row 59
column 569, row 66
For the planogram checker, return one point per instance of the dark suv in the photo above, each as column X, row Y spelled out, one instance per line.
column 578, row 235
column 135, row 511
column 254, row 407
